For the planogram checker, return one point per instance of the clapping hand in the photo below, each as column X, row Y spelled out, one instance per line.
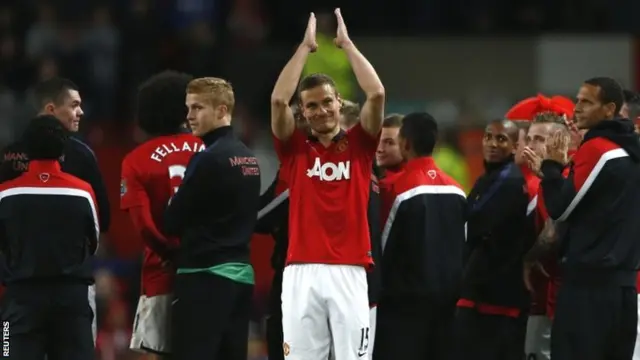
column 342, row 36
column 310, row 34
column 558, row 147
column 534, row 160
column 574, row 132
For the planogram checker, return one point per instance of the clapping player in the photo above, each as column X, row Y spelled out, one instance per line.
column 151, row 174
column 548, row 130
column 599, row 203
column 329, row 174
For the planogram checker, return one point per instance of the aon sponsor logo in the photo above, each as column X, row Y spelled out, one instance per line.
column 330, row 171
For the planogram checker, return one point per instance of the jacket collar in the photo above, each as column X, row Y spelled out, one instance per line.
column 215, row 134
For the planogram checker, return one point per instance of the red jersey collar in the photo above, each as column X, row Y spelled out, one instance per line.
column 395, row 170
column 44, row 166
column 336, row 138
column 423, row 162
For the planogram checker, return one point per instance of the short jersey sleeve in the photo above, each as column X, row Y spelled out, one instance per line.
column 132, row 193
column 363, row 140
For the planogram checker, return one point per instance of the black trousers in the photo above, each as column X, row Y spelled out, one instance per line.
column 210, row 317
column 488, row 337
column 275, row 338
column 412, row 329
column 47, row 319
column 594, row 323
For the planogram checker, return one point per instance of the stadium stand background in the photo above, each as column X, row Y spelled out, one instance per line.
column 465, row 64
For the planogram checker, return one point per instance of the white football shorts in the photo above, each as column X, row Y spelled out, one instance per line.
column 152, row 325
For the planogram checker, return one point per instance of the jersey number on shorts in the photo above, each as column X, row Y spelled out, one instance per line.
column 364, row 341
column 176, row 174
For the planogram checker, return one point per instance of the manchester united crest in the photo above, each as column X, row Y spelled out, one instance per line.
column 44, row 177
column 342, row 145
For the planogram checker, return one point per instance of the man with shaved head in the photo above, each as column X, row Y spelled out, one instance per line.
column 491, row 319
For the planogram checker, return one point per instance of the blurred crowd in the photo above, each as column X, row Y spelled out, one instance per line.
column 108, row 48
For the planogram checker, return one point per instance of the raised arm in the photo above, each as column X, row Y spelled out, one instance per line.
column 282, row 121
column 372, row 112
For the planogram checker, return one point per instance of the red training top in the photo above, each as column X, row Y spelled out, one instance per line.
column 387, row 196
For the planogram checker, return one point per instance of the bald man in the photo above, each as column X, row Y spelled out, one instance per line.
column 491, row 319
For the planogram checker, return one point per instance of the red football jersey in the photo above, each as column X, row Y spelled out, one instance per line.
column 387, row 196
column 151, row 174
column 329, row 195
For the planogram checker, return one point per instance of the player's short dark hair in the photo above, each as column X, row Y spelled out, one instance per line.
column 610, row 91
column 392, row 121
column 632, row 99
column 315, row 80
column 161, row 109
column 53, row 90
column 45, row 138
column 420, row 130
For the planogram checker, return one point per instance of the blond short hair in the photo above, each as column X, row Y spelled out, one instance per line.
column 558, row 122
column 218, row 90
column 549, row 118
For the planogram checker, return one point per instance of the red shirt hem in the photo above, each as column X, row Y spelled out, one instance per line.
column 156, row 283
column 364, row 263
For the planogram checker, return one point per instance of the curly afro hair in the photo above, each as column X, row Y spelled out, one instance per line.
column 161, row 109
column 45, row 138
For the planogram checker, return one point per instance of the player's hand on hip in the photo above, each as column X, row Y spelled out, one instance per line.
column 342, row 36
column 310, row 34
